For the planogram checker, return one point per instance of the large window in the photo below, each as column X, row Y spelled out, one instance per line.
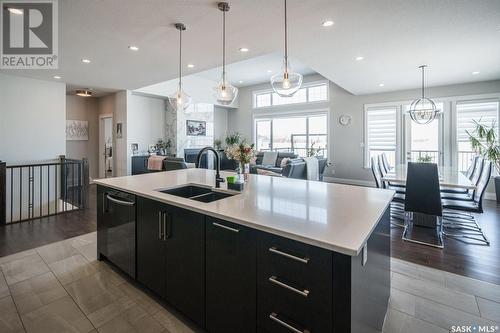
column 380, row 133
column 445, row 141
column 484, row 112
column 303, row 134
column 313, row 92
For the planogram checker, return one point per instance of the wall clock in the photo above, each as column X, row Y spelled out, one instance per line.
column 345, row 119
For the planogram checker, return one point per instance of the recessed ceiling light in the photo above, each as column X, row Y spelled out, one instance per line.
column 269, row 71
column 86, row 61
column 327, row 23
column 84, row 92
column 359, row 58
column 57, row 77
column 190, row 66
column 16, row 11
column 381, row 85
column 240, row 81
column 133, row 48
column 244, row 49
column 475, row 73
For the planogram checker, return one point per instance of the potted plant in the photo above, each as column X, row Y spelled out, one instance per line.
column 233, row 139
column 425, row 159
column 218, row 144
column 484, row 142
column 163, row 147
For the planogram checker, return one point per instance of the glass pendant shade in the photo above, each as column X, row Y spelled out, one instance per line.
column 287, row 82
column 225, row 92
column 180, row 100
column 423, row 110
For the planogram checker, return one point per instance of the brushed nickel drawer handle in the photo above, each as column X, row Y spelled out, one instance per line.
column 225, row 227
column 287, row 255
column 274, row 279
column 274, row 316
column 160, row 235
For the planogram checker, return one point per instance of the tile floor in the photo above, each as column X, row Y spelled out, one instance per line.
column 61, row 287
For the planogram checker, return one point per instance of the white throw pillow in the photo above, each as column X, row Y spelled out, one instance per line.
column 284, row 161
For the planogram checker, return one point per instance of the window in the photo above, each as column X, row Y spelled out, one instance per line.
column 380, row 133
column 301, row 134
column 484, row 112
column 316, row 92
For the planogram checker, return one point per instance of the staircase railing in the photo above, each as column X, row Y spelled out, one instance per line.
column 35, row 190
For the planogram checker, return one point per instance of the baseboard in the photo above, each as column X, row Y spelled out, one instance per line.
column 347, row 181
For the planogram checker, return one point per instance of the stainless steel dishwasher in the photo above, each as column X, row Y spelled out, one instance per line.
column 116, row 228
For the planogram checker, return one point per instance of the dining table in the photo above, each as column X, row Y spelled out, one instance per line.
column 448, row 177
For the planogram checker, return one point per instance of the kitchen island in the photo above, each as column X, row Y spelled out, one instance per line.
column 284, row 255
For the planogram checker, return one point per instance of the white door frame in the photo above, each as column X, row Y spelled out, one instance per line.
column 102, row 165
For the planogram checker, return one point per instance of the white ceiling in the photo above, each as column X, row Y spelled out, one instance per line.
column 255, row 70
column 453, row 37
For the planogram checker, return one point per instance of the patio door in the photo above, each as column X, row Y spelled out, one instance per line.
column 423, row 143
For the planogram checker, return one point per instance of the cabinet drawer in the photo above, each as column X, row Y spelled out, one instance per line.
column 296, row 262
column 310, row 311
column 294, row 286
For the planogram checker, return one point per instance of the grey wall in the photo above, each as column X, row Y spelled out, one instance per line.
column 221, row 122
column 344, row 141
column 80, row 108
column 32, row 119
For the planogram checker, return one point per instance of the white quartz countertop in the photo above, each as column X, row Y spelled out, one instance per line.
column 331, row 216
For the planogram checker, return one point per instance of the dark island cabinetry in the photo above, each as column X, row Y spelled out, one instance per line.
column 171, row 255
column 231, row 274
column 227, row 277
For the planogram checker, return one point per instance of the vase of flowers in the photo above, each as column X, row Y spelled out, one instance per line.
column 243, row 153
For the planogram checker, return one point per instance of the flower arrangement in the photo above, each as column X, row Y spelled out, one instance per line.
column 241, row 152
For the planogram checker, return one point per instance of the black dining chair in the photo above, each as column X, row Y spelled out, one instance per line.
column 385, row 162
column 399, row 188
column 458, row 219
column 473, row 173
column 396, row 208
column 467, row 195
column 423, row 203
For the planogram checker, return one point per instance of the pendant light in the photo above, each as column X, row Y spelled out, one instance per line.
column 225, row 93
column 423, row 110
column 180, row 100
column 286, row 83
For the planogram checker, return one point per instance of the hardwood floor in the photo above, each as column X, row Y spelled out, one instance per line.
column 472, row 260
column 475, row 261
column 22, row 236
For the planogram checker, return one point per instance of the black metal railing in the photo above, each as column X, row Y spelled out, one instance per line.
column 42, row 189
column 431, row 156
column 465, row 159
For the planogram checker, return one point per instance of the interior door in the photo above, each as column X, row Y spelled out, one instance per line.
column 423, row 143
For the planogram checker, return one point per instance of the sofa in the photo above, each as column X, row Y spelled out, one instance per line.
column 297, row 168
column 276, row 168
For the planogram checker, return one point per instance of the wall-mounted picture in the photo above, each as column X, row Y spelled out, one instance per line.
column 135, row 148
column 196, row 128
column 119, row 131
column 77, row 130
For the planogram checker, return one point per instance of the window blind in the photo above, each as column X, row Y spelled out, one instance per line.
column 381, row 129
column 484, row 112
